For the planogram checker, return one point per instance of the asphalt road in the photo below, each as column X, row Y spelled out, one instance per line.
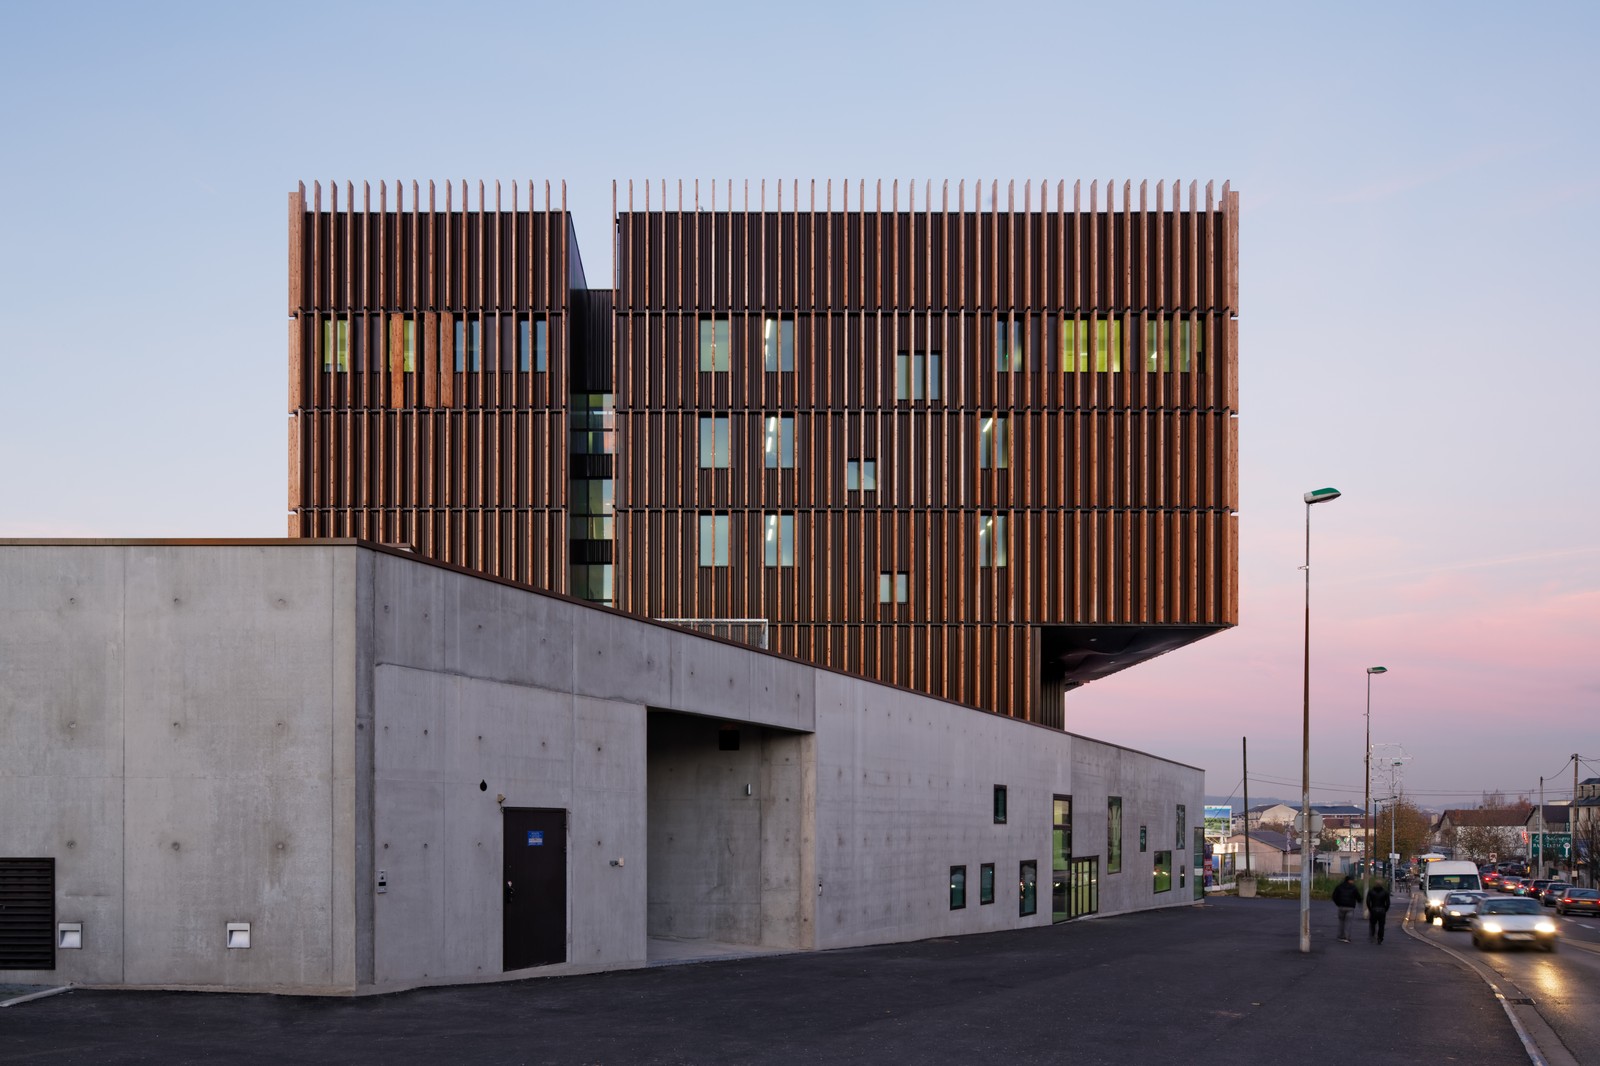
column 1557, row 996
column 1219, row 982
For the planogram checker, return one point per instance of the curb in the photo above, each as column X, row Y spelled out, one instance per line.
column 31, row 996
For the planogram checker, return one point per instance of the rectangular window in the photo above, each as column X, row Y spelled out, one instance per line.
column 1157, row 344
column 1113, row 834
column 852, row 475
column 336, row 344
column 993, row 448
column 408, row 342
column 1085, row 887
column 533, row 344
column 1060, row 857
column 593, row 420
column 716, row 435
column 1027, row 888
column 999, row 804
column 778, row 441
column 1183, row 825
column 986, row 883
column 777, row 343
column 1106, row 337
column 958, row 887
column 590, row 581
column 779, row 540
column 1144, row 837
column 469, row 344
column 1163, row 871
column 861, row 474
column 894, row 588
column 916, row 376
column 1009, row 339
column 992, row 540
column 716, row 344
column 714, row 540
column 1191, row 335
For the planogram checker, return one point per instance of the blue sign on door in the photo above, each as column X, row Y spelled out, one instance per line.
column 536, row 838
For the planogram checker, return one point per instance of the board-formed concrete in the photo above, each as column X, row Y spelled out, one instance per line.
column 319, row 738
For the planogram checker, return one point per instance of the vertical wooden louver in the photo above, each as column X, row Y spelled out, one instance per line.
column 1087, row 334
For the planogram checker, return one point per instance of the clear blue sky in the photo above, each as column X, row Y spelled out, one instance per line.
column 1419, row 325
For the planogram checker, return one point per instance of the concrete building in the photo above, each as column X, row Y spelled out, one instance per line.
column 323, row 766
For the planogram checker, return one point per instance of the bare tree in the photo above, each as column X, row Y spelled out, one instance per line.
column 1479, row 842
column 1493, row 799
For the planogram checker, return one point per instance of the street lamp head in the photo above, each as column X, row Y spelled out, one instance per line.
column 1322, row 495
column 1377, row 669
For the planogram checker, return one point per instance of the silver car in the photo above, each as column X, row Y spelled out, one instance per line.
column 1517, row 921
column 1459, row 907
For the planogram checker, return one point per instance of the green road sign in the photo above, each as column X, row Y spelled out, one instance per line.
column 1559, row 845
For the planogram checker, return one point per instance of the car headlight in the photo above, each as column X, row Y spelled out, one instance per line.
column 1490, row 927
column 1455, row 914
column 1545, row 927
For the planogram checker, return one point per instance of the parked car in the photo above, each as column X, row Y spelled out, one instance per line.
column 1579, row 901
column 1507, row 922
column 1459, row 907
column 1510, row 883
column 1552, row 892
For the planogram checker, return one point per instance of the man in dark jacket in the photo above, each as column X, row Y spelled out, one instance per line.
column 1346, row 897
column 1377, row 910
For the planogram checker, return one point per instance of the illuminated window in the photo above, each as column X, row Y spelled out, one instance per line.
column 1027, row 888
column 1113, row 834
column 777, row 343
column 992, row 444
column 1009, row 338
column 1163, row 871
column 715, row 442
column 716, row 344
column 778, row 541
column 713, row 540
column 336, row 344
column 991, row 540
column 1102, row 335
column 778, row 441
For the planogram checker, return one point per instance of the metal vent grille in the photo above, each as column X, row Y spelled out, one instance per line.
column 27, row 914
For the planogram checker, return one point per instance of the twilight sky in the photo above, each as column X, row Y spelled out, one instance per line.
column 1420, row 321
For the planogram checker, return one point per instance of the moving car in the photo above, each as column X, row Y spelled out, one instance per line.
column 1535, row 889
column 1579, row 901
column 1490, row 877
column 1459, row 907
column 1552, row 892
column 1512, row 922
column 1510, row 883
column 1440, row 877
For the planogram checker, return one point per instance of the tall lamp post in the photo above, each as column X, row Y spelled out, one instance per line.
column 1366, row 803
column 1314, row 496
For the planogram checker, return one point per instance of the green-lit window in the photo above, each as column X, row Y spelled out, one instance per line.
column 778, row 441
column 958, row 887
column 986, row 883
column 716, row 449
column 1163, row 871
column 408, row 344
column 779, row 540
column 1091, row 343
column 469, row 344
column 1060, row 857
column 916, row 376
column 894, row 588
column 716, row 344
column 992, row 540
column 336, row 344
column 1000, row 801
column 1157, row 344
column 714, row 540
column 1190, row 339
column 533, row 344
column 993, row 447
column 1010, row 338
column 1113, row 834
column 777, row 343
column 1027, row 888
column 861, row 475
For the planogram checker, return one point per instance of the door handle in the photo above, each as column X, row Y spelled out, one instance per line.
column 511, row 892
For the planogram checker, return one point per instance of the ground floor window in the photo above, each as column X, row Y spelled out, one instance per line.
column 1085, row 892
column 1163, row 871
column 958, row 887
column 986, row 883
column 1028, row 888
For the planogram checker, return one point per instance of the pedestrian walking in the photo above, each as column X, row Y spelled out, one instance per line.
column 1346, row 897
column 1377, row 911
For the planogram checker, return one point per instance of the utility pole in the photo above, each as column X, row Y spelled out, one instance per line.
column 1244, row 745
column 1544, row 857
column 1572, row 849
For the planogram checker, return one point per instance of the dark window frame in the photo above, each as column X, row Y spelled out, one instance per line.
column 985, row 883
column 1001, row 804
column 958, row 888
column 1027, row 890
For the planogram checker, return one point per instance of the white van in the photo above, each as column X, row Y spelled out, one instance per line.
column 1442, row 877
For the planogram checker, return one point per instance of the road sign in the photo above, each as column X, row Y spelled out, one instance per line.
column 1559, row 845
column 1219, row 821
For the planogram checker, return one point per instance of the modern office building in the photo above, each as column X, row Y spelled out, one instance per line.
column 976, row 442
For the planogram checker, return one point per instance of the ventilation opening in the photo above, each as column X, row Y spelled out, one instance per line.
column 27, row 914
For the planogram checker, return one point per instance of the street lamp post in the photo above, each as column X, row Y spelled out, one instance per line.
column 1366, row 803
column 1314, row 496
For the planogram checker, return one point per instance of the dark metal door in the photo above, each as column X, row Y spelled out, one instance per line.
column 535, row 888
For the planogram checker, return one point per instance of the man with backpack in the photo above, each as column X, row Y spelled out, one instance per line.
column 1377, row 911
column 1346, row 897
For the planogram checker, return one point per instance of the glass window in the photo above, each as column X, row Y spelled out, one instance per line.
column 1075, row 343
column 1107, row 344
column 986, row 883
column 1008, row 344
column 902, row 588
column 778, row 441
column 852, row 475
column 861, row 474
column 533, row 344
column 713, row 540
column 779, row 540
column 716, row 344
column 1085, row 887
column 1163, row 871
column 993, row 447
column 958, row 887
column 777, row 343
column 1143, row 838
column 593, row 421
column 1183, row 823
column 469, row 344
column 336, row 344
column 1113, row 834
column 1027, row 888
column 1060, row 857
column 591, row 581
column 716, row 450
column 893, row 588
column 408, row 342
column 916, row 376
column 992, row 540
column 999, row 804
column 1191, row 334
column 1157, row 344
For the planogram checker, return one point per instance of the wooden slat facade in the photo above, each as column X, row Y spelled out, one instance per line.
column 1120, row 480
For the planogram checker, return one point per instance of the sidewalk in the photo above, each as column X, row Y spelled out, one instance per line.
column 1223, row 981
